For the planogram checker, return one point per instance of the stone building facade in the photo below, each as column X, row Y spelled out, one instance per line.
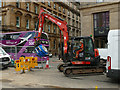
column 97, row 19
column 23, row 16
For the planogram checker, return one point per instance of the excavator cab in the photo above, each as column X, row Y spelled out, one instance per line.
column 80, row 52
column 83, row 51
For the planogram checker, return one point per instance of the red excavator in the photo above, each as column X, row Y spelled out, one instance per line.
column 77, row 53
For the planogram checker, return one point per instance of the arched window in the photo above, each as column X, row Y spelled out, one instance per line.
column 28, row 21
column 18, row 18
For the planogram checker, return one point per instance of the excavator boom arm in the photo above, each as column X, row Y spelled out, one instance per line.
column 60, row 23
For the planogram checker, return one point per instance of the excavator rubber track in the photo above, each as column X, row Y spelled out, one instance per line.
column 61, row 66
column 82, row 70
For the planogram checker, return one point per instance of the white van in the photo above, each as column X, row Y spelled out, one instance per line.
column 113, row 58
column 4, row 59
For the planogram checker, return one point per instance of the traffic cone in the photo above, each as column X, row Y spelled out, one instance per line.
column 47, row 63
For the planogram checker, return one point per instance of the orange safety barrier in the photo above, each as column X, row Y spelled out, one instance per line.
column 26, row 63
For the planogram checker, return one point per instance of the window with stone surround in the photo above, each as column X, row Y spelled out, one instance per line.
column 36, row 8
column 43, row 1
column 27, row 6
column 48, row 3
column 59, row 8
column 27, row 24
column 101, row 23
column 63, row 10
column 17, row 21
column 18, row 4
column 54, row 6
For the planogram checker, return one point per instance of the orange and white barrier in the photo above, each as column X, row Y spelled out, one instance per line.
column 25, row 63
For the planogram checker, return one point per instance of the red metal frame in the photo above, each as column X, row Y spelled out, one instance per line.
column 80, row 62
column 96, row 52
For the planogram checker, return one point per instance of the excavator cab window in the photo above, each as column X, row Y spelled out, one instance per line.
column 89, row 49
column 78, row 49
column 83, row 49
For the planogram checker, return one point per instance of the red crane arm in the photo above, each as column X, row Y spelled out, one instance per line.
column 61, row 24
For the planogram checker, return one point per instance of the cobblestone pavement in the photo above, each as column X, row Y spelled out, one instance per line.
column 52, row 78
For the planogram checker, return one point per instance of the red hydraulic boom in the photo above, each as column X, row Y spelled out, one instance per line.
column 60, row 23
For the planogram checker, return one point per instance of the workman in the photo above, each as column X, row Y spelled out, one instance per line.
column 80, row 49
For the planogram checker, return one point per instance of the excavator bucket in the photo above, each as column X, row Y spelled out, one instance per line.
column 41, row 51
